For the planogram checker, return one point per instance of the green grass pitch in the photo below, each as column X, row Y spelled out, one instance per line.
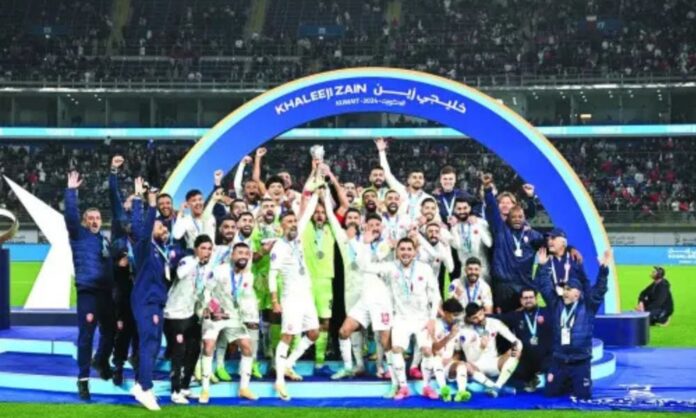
column 632, row 279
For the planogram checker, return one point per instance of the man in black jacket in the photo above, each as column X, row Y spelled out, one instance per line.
column 656, row 299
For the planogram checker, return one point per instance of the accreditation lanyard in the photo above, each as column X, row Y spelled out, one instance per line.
column 465, row 232
column 297, row 255
column 195, row 225
column 163, row 252
column 472, row 298
column 449, row 206
column 568, row 316
column 319, row 238
column 532, row 324
column 220, row 259
column 518, row 243
column 407, row 283
column 198, row 284
column 393, row 225
column 413, row 203
column 566, row 266
column 236, row 283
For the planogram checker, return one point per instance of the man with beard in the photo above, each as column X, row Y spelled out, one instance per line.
column 152, row 261
column 223, row 298
column 448, row 194
column 470, row 237
column 432, row 250
column 299, row 314
column 565, row 261
column 533, row 327
column 480, row 347
column 368, row 301
column 264, row 235
column 167, row 215
column 94, row 282
column 416, row 299
column 513, row 253
column 411, row 196
column 472, row 287
column 657, row 298
column 396, row 224
column 378, row 182
column 181, row 325
column 191, row 225
column 351, row 193
column 370, row 202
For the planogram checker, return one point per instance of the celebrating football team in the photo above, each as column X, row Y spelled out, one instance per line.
column 438, row 287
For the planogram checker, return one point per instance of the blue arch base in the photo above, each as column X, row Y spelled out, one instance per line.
column 412, row 93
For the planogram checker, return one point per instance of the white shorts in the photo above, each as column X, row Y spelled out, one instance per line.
column 230, row 329
column 250, row 313
column 404, row 328
column 488, row 365
column 379, row 315
column 299, row 317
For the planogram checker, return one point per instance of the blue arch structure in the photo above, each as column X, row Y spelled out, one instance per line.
column 412, row 93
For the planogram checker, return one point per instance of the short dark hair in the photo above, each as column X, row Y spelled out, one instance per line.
column 472, row 260
column 161, row 195
column 448, row 169
column 391, row 191
column 376, row 167
column 472, row 309
column 428, row 199
column 228, row 217
column 405, row 240
column 240, row 245
column 462, row 200
column 238, row 200
column 247, row 213
column 349, row 210
column 193, row 193
column 286, row 214
column 273, row 180
column 452, row 305
column 527, row 289
column 371, row 216
column 202, row 239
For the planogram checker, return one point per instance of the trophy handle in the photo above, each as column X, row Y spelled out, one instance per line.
column 12, row 231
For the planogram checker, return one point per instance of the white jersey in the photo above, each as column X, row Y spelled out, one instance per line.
column 480, row 292
column 221, row 254
column 473, row 240
column 446, row 353
column 471, row 337
column 414, row 289
column 288, row 262
column 410, row 201
column 372, row 285
column 435, row 255
column 237, row 288
column 396, row 227
column 189, row 228
column 187, row 290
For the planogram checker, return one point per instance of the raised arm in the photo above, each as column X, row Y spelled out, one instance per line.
column 530, row 200
column 256, row 173
column 72, row 213
column 115, row 197
column 307, row 214
column 543, row 280
column 179, row 229
column 142, row 227
column 595, row 294
column 239, row 177
column 495, row 220
column 389, row 177
column 339, row 233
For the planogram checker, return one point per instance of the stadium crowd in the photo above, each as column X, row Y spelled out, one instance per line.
column 175, row 40
column 638, row 177
column 259, row 269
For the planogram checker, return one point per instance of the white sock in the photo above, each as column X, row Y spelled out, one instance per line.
column 254, row 340
column 281, row 355
column 427, row 369
column 207, row 371
column 245, row 371
column 417, row 357
column 399, row 366
column 356, row 340
column 506, row 371
column 439, row 371
column 390, row 368
column 304, row 344
column 482, row 379
column 220, row 351
column 461, row 377
column 346, row 351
